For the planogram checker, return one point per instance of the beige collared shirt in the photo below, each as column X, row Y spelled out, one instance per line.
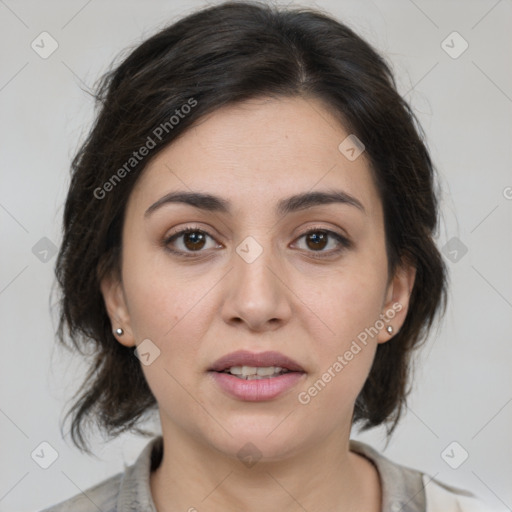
column 403, row 489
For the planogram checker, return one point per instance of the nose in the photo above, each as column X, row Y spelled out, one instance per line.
column 256, row 294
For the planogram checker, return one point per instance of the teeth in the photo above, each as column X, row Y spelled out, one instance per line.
column 253, row 372
column 270, row 370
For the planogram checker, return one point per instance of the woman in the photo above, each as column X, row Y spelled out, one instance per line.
column 248, row 248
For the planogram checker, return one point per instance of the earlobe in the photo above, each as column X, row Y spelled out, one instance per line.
column 115, row 303
column 397, row 302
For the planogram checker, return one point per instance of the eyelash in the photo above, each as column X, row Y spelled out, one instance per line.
column 343, row 242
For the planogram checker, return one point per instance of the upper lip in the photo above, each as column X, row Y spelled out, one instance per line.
column 259, row 359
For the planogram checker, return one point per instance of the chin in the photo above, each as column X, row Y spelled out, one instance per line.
column 260, row 439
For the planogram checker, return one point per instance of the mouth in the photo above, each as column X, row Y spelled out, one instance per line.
column 255, row 372
column 250, row 376
column 253, row 365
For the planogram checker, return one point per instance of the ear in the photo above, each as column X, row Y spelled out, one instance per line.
column 115, row 302
column 396, row 303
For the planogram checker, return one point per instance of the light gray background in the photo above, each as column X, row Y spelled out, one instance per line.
column 463, row 387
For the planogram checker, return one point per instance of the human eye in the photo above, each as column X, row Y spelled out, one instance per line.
column 188, row 241
column 318, row 238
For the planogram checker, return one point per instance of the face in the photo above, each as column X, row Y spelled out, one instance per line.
column 257, row 272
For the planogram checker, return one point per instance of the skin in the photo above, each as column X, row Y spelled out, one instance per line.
column 198, row 309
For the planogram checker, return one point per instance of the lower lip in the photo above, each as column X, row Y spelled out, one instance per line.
column 256, row 390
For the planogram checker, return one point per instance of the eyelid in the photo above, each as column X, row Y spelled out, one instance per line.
column 190, row 227
column 314, row 228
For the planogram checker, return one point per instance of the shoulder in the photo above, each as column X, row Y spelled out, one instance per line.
column 102, row 496
column 443, row 498
column 408, row 489
column 128, row 490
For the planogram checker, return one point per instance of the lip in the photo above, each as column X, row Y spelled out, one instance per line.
column 257, row 359
column 256, row 390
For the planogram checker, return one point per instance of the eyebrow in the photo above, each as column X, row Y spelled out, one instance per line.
column 211, row 203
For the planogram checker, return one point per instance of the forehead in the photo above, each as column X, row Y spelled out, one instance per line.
column 256, row 152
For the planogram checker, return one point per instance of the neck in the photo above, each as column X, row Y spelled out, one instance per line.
column 324, row 477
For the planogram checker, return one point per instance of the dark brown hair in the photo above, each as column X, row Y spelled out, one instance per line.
column 218, row 56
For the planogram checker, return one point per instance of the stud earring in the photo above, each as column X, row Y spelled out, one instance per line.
column 389, row 329
column 119, row 331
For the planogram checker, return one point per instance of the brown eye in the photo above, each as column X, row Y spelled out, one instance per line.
column 317, row 240
column 188, row 241
column 194, row 240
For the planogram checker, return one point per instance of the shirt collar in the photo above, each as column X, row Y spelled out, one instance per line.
column 135, row 489
column 402, row 488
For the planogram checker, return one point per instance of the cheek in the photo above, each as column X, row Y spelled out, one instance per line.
column 348, row 306
column 171, row 311
column 346, row 302
column 159, row 297
column 345, row 355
